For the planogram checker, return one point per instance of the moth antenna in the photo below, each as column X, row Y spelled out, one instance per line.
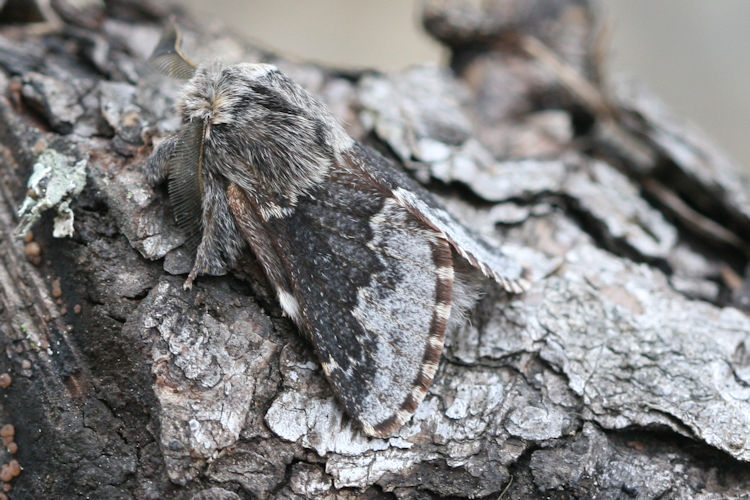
column 167, row 56
column 185, row 181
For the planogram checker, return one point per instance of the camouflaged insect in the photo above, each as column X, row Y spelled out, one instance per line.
column 360, row 256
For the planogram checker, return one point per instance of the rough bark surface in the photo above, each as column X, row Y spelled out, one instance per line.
column 623, row 372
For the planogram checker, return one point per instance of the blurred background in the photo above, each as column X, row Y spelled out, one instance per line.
column 695, row 54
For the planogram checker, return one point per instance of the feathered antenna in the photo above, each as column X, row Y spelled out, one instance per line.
column 168, row 57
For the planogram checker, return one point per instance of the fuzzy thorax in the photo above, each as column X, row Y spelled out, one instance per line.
column 213, row 93
column 270, row 136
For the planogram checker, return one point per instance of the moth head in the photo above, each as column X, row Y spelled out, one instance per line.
column 213, row 90
column 252, row 108
column 223, row 94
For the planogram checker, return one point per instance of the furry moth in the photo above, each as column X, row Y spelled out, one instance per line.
column 361, row 257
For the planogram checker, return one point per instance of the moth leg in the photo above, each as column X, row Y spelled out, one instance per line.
column 156, row 169
column 220, row 240
column 203, row 256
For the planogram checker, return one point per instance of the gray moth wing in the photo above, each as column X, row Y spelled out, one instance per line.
column 368, row 284
column 491, row 261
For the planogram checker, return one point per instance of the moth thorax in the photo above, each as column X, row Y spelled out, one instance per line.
column 205, row 98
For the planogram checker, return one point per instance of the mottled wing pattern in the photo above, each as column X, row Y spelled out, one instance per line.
column 368, row 283
column 488, row 259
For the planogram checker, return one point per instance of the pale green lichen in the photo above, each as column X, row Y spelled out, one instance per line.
column 56, row 180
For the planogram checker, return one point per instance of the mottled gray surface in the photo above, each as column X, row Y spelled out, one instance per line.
column 205, row 368
column 622, row 372
column 56, row 180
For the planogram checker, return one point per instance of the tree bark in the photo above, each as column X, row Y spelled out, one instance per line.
column 623, row 372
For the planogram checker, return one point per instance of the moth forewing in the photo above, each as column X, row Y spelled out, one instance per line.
column 491, row 261
column 359, row 254
column 368, row 288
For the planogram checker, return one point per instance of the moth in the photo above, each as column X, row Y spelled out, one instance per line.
column 361, row 257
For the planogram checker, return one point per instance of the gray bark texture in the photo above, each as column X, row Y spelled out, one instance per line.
column 624, row 372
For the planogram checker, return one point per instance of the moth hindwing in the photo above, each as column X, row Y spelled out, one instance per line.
column 361, row 257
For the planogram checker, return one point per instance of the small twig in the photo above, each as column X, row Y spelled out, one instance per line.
column 569, row 77
column 696, row 221
column 505, row 490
